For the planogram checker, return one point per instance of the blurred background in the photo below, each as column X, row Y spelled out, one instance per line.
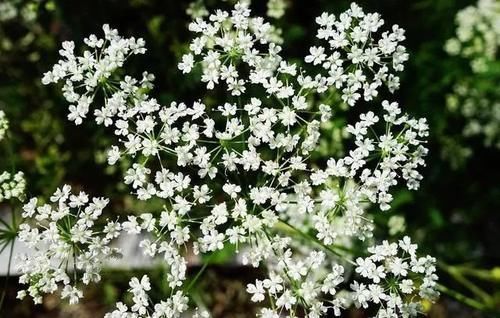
column 454, row 216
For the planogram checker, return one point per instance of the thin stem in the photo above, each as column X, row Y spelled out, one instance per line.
column 10, row 153
column 457, row 275
column 4, row 292
column 329, row 248
column 200, row 272
column 461, row 298
column 484, row 274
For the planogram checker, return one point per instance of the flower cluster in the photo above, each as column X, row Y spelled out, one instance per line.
column 7, row 11
column 230, row 173
column 230, row 45
column 479, row 105
column 166, row 237
column 475, row 94
column 11, row 185
column 84, row 74
column 4, row 124
column 276, row 8
column 142, row 307
column 69, row 244
column 396, row 224
column 25, row 11
column 310, row 282
column 197, row 9
column 477, row 34
column 398, row 279
column 355, row 58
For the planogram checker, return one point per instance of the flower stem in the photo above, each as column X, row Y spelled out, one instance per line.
column 200, row 272
column 338, row 250
column 457, row 275
column 462, row 298
column 4, row 292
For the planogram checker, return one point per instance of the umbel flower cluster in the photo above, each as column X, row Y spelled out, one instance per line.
column 395, row 279
column 10, row 10
column 69, row 244
column 4, row 124
column 12, row 185
column 237, row 172
column 394, row 272
column 475, row 96
column 477, row 34
column 275, row 9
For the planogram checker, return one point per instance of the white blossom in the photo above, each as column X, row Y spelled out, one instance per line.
column 68, row 244
column 240, row 168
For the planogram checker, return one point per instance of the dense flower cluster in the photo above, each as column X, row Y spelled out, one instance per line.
column 142, row 307
column 7, row 11
column 233, row 45
column 276, row 8
column 231, row 173
column 310, row 282
column 479, row 105
column 396, row 224
column 26, row 11
column 398, row 279
column 477, row 34
column 69, row 244
column 84, row 74
column 475, row 95
column 356, row 59
column 197, row 9
column 4, row 124
column 11, row 185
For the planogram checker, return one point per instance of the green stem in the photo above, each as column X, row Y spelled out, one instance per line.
column 330, row 248
column 484, row 274
column 4, row 293
column 457, row 275
column 462, row 298
column 200, row 272
column 10, row 152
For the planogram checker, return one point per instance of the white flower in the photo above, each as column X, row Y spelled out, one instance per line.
column 12, row 185
column 67, row 232
column 187, row 63
column 276, row 8
column 72, row 293
column 401, row 277
column 316, row 56
column 476, row 42
column 256, row 290
column 4, row 124
column 231, row 171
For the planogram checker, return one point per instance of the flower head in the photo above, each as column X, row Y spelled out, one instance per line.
column 68, row 244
